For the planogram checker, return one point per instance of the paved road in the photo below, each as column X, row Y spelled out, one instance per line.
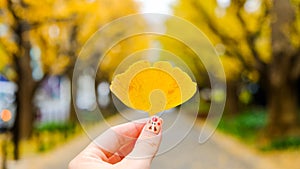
column 220, row 152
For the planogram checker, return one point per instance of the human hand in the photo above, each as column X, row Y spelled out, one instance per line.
column 127, row 146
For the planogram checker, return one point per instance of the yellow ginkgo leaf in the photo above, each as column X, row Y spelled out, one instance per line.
column 153, row 88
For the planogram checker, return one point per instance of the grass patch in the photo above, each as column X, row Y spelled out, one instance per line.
column 49, row 135
column 283, row 144
column 245, row 125
column 248, row 125
column 52, row 127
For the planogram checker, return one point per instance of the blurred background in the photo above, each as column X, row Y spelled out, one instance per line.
column 258, row 42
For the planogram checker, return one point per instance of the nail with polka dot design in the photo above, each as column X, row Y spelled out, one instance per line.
column 154, row 124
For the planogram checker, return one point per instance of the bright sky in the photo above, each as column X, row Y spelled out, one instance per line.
column 156, row 6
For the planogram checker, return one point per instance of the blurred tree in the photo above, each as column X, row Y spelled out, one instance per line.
column 258, row 41
column 186, row 54
column 284, row 68
column 121, row 50
column 41, row 38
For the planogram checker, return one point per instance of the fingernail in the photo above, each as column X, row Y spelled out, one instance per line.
column 154, row 124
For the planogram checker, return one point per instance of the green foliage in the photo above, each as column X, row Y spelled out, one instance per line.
column 283, row 143
column 50, row 135
column 52, row 127
column 203, row 107
column 246, row 125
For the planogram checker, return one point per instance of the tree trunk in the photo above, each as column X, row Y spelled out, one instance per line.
column 73, row 116
column 232, row 101
column 282, row 107
column 26, row 83
column 26, row 88
column 24, row 118
column 283, row 117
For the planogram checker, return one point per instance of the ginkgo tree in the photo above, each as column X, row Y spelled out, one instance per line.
column 257, row 40
column 49, row 34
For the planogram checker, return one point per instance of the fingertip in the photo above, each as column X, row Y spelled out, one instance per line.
column 149, row 140
column 154, row 124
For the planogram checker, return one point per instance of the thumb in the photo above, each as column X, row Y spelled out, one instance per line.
column 147, row 143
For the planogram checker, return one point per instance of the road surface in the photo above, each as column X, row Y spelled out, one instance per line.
column 220, row 152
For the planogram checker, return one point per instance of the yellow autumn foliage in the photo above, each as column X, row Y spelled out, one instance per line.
column 240, row 31
column 60, row 28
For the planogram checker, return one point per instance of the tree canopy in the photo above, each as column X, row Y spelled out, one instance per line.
column 44, row 38
column 258, row 42
column 55, row 30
